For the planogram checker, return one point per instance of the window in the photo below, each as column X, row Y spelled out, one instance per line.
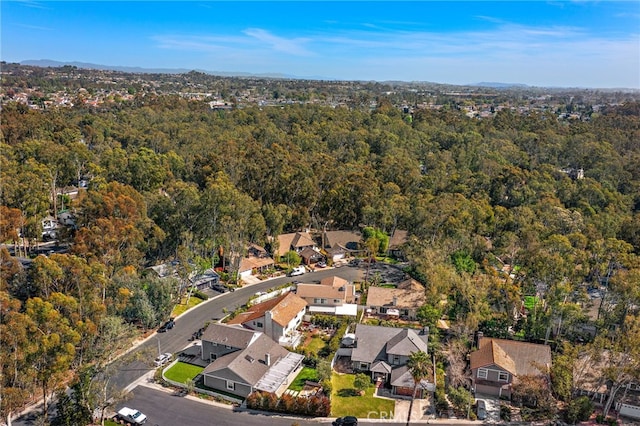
column 396, row 359
column 364, row 366
column 317, row 301
column 336, row 300
column 213, row 357
column 259, row 324
column 503, row 376
column 383, row 310
column 482, row 373
column 214, row 344
column 230, row 385
column 227, row 347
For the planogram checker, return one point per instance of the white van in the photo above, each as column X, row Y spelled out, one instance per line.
column 298, row 270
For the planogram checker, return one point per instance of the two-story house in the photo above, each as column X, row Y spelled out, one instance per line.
column 334, row 295
column 384, row 352
column 497, row 362
column 296, row 241
column 278, row 318
column 403, row 301
column 243, row 361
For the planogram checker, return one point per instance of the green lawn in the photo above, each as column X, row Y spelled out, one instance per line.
column 305, row 374
column 345, row 403
column 315, row 345
column 181, row 307
column 182, row 372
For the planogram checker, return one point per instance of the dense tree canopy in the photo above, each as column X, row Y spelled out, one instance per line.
column 167, row 176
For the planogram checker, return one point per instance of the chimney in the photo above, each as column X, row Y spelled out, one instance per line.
column 424, row 331
column 479, row 336
column 267, row 359
column 395, row 301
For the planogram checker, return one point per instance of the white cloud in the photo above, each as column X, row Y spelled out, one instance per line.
column 508, row 52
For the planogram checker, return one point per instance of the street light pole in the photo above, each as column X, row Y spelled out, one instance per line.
column 158, row 338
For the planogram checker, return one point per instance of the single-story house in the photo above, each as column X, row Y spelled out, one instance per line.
column 338, row 244
column 402, row 301
column 334, row 295
column 384, row 352
column 207, row 279
column 396, row 243
column 497, row 362
column 243, row 361
column 256, row 261
column 278, row 318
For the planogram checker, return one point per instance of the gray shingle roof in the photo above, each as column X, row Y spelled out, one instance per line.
column 229, row 335
column 247, row 364
column 374, row 342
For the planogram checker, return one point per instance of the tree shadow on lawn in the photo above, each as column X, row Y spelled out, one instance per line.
column 344, row 393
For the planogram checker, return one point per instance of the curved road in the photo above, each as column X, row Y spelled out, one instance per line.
column 140, row 360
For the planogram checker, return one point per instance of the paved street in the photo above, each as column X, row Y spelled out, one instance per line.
column 139, row 361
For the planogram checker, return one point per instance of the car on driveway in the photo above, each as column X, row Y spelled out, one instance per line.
column 481, row 409
column 162, row 359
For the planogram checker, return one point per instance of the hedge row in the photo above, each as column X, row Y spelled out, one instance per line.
column 316, row 406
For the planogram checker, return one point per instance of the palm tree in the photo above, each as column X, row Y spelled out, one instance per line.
column 420, row 368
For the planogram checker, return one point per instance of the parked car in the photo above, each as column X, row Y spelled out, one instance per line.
column 163, row 359
column 167, row 326
column 219, row 287
column 481, row 410
column 345, row 421
column 132, row 416
column 298, row 270
column 321, row 264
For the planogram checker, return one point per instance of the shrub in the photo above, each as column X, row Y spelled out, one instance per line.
column 505, row 413
column 317, row 406
column 579, row 410
column 200, row 295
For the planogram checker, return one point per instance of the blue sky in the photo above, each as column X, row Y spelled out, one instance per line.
column 542, row 43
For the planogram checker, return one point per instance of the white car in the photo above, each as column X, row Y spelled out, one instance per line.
column 132, row 416
column 163, row 359
column 297, row 271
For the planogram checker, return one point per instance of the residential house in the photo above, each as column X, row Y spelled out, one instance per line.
column 207, row 279
column 590, row 380
column 165, row 270
column 243, row 361
column 498, row 362
column 334, row 295
column 396, row 243
column 256, row 261
column 384, row 352
column 402, row 301
column 297, row 241
column 278, row 318
column 339, row 244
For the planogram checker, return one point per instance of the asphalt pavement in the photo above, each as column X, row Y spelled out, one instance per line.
column 138, row 361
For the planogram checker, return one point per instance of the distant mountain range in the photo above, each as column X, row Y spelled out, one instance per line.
column 140, row 70
column 500, row 85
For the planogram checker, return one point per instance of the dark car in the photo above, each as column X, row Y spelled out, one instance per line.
column 481, row 410
column 219, row 287
column 167, row 326
column 345, row 421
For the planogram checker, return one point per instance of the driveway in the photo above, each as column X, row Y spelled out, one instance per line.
column 493, row 408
